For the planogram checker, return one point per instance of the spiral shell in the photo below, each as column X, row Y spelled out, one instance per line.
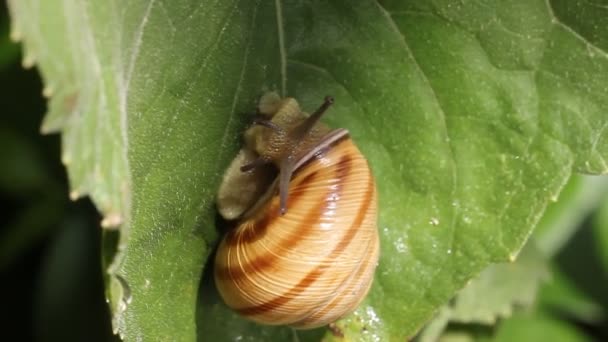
column 314, row 264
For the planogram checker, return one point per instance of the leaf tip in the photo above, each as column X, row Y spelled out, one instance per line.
column 28, row 61
column 65, row 159
column 44, row 130
column 15, row 34
column 74, row 195
column 47, row 91
column 112, row 221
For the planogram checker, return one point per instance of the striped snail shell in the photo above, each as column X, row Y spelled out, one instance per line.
column 304, row 255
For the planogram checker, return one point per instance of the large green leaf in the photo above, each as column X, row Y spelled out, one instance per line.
column 473, row 116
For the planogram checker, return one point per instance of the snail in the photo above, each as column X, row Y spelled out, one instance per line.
column 306, row 245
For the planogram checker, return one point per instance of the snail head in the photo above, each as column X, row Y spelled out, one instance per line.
column 281, row 134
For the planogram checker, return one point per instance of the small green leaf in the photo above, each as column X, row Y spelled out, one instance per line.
column 538, row 327
column 525, row 327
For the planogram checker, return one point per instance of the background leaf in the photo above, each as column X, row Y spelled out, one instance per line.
column 600, row 232
column 579, row 198
column 534, row 327
column 473, row 117
column 522, row 327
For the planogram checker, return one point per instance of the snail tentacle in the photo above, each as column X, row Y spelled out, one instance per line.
column 260, row 121
column 287, row 165
column 300, row 131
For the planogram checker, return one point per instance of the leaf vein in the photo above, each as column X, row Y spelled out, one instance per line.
column 190, row 85
column 282, row 52
column 442, row 117
column 239, row 84
column 570, row 30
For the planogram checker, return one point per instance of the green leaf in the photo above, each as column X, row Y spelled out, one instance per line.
column 473, row 117
column 525, row 327
column 600, row 229
column 538, row 327
column 579, row 286
column 82, row 80
column 563, row 295
column 573, row 292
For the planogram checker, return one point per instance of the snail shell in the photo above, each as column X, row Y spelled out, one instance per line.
column 315, row 263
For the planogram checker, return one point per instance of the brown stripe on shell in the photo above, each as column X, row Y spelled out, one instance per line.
column 296, row 194
column 257, row 227
column 313, row 275
column 255, row 230
column 311, row 219
column 312, row 319
column 266, row 260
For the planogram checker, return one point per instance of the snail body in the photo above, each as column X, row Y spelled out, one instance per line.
column 305, row 255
